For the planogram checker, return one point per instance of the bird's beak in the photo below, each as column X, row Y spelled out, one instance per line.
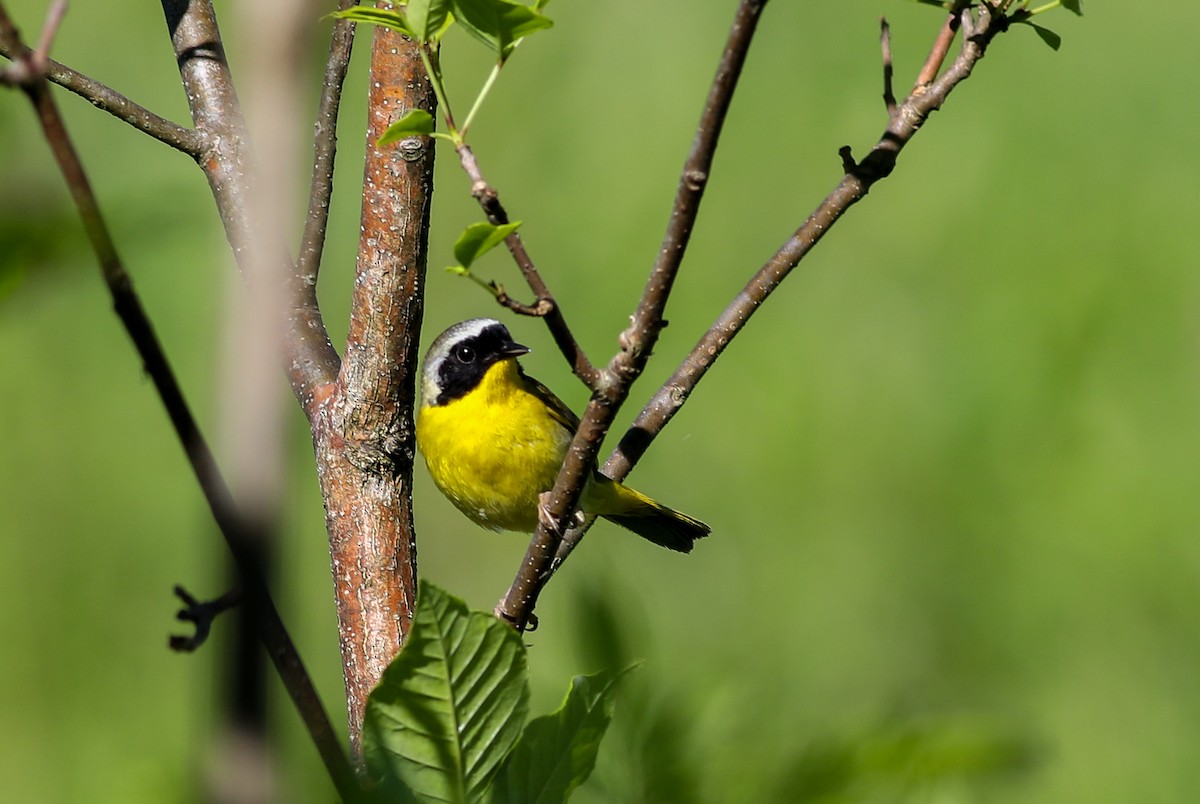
column 513, row 349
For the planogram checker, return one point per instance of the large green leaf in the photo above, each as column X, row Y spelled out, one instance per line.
column 451, row 705
column 558, row 751
column 499, row 24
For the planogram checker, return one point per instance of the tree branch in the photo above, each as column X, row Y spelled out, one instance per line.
column 638, row 340
column 239, row 533
column 312, row 243
column 228, row 163
column 363, row 430
column 105, row 98
column 858, row 178
column 941, row 47
column 902, row 126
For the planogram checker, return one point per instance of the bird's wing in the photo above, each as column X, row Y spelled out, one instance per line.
column 558, row 409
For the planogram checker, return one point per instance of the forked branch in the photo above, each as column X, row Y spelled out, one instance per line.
column 638, row 340
column 239, row 533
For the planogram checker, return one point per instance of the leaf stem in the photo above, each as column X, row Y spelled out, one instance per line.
column 1046, row 7
column 435, row 78
column 483, row 93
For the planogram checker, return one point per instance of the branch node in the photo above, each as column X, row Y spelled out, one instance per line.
column 695, row 179
column 848, row 163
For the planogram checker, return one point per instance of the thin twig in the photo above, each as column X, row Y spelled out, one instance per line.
column 941, row 46
column 312, row 243
column 885, row 45
column 105, row 98
column 637, row 341
column 854, row 185
column 545, row 306
column 903, row 126
column 202, row 614
column 238, row 533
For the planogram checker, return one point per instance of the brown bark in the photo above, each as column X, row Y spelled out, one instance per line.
column 362, row 427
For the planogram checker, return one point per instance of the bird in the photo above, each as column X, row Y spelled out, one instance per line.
column 494, row 439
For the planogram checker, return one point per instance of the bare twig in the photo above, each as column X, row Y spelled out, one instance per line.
column 545, row 305
column 941, row 46
column 201, row 613
column 312, row 243
column 109, row 100
column 911, row 115
column 885, row 45
column 237, row 531
column 637, row 341
column 858, row 178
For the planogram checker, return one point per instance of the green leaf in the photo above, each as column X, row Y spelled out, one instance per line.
column 416, row 123
column 1048, row 36
column 480, row 238
column 499, row 24
column 377, row 16
column 427, row 18
column 450, row 706
column 1073, row 5
column 558, row 751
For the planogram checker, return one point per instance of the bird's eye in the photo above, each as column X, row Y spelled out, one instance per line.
column 464, row 354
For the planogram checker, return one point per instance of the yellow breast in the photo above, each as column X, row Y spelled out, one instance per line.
column 493, row 450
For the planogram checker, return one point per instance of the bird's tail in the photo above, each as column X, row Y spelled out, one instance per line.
column 651, row 520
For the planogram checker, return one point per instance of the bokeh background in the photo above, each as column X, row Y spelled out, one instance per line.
column 951, row 467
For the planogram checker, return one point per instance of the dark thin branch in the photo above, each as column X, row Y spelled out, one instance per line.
column 637, row 341
column 239, row 533
column 202, row 614
column 902, row 126
column 885, row 45
column 545, row 306
column 911, row 115
column 109, row 100
column 312, row 243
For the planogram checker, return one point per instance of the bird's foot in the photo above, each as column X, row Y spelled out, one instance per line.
column 546, row 519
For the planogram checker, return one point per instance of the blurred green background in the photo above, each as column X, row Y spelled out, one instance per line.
column 951, row 467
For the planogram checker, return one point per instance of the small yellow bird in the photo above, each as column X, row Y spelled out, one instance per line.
column 494, row 440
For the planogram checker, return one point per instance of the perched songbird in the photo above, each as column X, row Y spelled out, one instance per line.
column 494, row 440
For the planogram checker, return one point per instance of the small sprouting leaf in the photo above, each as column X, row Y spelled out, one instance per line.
column 416, row 123
column 1073, row 5
column 451, row 705
column 480, row 238
column 558, row 751
column 1048, row 36
column 377, row 16
column 427, row 18
column 499, row 24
